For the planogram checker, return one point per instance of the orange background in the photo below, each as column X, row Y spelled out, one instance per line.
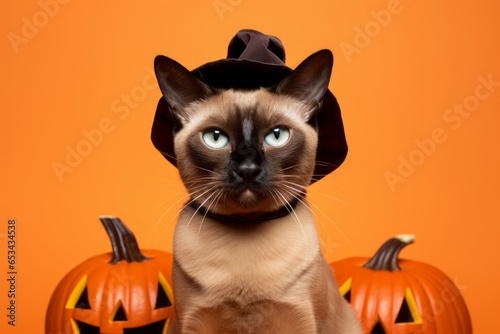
column 75, row 70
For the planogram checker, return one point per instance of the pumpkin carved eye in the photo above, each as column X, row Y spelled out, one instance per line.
column 83, row 301
column 164, row 291
column 345, row 290
column 408, row 312
column 79, row 298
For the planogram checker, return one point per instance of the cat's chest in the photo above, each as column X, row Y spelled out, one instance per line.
column 246, row 265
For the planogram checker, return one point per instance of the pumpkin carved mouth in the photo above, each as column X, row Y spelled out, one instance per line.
column 408, row 314
column 79, row 299
column 158, row 327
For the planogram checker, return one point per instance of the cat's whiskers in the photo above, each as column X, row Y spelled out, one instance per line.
column 292, row 212
column 215, row 199
column 194, row 191
column 205, row 169
column 278, row 204
column 314, row 177
column 320, row 221
column 326, row 164
column 168, row 155
column 333, row 197
column 201, row 205
column 294, row 188
column 288, row 168
column 317, row 177
column 321, row 193
column 197, row 179
column 201, row 183
column 294, row 175
column 199, row 191
column 299, row 196
column 163, row 215
column 298, row 188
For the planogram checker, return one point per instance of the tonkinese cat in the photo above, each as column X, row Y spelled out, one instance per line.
column 247, row 257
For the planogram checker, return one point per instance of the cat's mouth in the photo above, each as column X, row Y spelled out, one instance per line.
column 246, row 200
column 248, row 196
column 249, row 199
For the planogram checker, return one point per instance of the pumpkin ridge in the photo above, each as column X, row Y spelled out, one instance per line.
column 423, row 296
column 440, row 284
column 367, row 298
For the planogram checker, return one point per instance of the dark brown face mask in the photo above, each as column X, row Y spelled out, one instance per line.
column 256, row 60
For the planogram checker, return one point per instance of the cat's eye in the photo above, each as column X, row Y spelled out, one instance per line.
column 215, row 138
column 277, row 136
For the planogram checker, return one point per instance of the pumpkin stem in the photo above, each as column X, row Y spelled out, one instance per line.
column 386, row 258
column 123, row 241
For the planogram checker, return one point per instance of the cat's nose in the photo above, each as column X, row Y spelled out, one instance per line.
column 248, row 171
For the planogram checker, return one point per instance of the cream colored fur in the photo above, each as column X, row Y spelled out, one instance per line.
column 267, row 278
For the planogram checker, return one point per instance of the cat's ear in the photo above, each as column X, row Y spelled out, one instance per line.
column 309, row 81
column 178, row 86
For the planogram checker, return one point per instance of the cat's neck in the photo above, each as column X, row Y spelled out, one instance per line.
column 239, row 254
column 231, row 257
column 196, row 230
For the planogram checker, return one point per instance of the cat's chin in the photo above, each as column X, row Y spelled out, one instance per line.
column 246, row 202
column 248, row 197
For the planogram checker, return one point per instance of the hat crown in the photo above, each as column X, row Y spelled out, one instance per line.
column 253, row 45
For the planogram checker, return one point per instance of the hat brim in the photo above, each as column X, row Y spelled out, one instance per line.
column 245, row 74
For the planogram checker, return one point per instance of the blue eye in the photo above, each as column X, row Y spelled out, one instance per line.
column 215, row 138
column 277, row 136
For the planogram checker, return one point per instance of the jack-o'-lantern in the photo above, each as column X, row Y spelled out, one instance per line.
column 119, row 292
column 392, row 295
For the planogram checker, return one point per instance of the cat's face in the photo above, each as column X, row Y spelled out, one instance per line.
column 245, row 152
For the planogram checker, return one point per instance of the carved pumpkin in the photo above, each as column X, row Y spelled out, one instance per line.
column 119, row 292
column 392, row 295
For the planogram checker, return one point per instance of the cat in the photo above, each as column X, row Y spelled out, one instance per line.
column 247, row 257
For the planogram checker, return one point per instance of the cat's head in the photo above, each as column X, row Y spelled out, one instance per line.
column 245, row 151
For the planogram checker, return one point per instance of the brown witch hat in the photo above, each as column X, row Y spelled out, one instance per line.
column 257, row 60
